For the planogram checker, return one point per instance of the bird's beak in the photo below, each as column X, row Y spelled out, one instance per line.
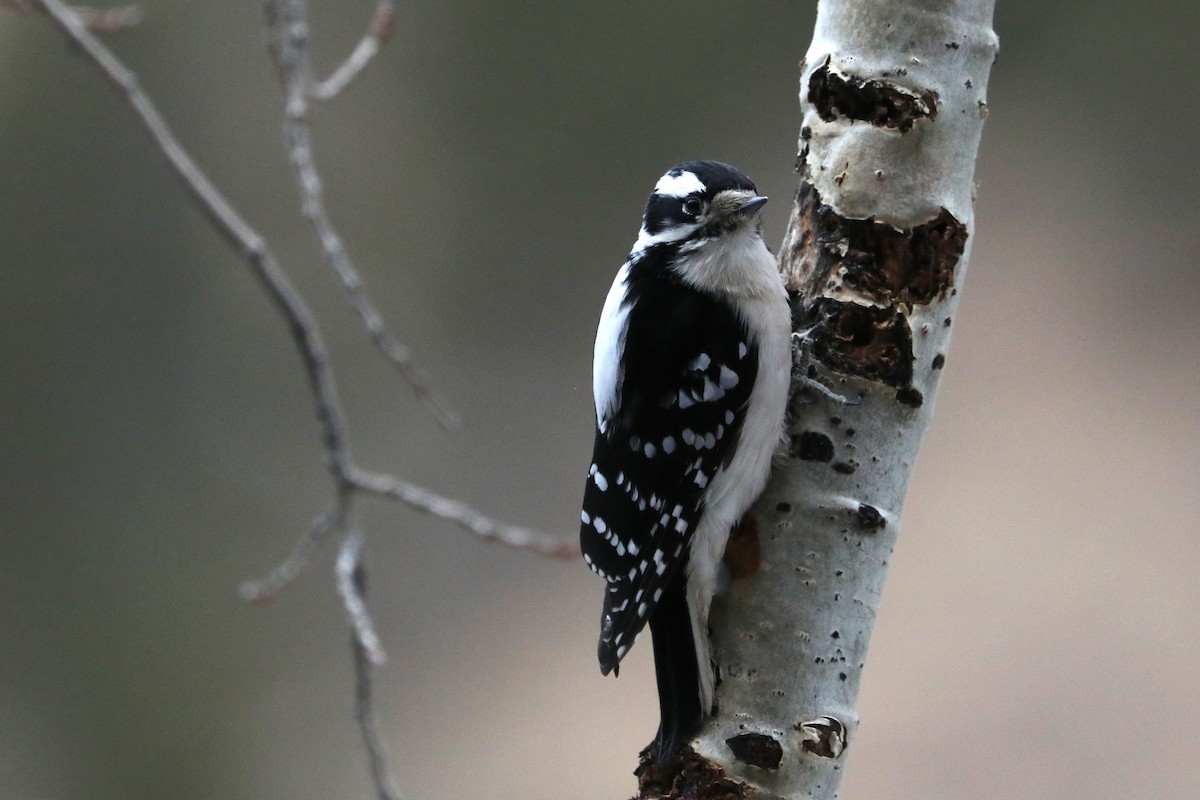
column 736, row 205
column 750, row 206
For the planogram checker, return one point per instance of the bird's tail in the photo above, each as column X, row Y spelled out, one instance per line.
column 676, row 668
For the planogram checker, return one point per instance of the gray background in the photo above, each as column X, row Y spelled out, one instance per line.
column 1038, row 633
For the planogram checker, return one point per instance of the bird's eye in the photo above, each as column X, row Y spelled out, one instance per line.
column 693, row 206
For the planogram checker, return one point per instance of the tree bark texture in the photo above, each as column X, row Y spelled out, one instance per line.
column 893, row 97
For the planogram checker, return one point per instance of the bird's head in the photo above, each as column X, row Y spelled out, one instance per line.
column 697, row 203
column 702, row 225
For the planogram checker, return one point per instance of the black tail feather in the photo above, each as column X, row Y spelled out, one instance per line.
column 676, row 669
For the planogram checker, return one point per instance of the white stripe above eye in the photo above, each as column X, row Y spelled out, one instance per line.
column 680, row 185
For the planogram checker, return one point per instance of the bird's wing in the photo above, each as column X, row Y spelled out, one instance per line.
column 686, row 373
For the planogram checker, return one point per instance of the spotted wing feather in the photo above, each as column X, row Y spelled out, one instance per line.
column 685, row 377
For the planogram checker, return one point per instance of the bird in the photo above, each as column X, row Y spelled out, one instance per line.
column 690, row 377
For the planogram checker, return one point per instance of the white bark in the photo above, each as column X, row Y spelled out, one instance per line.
column 893, row 95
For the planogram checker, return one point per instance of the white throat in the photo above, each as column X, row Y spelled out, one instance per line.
column 738, row 263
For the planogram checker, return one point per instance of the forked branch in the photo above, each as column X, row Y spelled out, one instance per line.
column 290, row 31
column 287, row 23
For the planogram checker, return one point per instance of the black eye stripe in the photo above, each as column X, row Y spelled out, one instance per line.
column 666, row 212
column 669, row 210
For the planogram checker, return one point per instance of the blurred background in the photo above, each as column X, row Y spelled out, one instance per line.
column 1038, row 636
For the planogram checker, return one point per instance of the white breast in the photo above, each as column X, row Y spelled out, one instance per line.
column 746, row 272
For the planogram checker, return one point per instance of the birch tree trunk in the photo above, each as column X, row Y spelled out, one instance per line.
column 893, row 95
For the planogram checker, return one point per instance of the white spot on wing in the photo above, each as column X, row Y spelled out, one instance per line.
column 601, row 482
column 650, row 450
column 728, row 378
column 668, row 445
column 584, row 518
column 700, row 363
column 601, row 526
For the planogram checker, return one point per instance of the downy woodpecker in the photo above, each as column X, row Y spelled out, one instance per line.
column 691, row 372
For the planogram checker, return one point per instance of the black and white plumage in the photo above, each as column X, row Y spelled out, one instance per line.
column 690, row 379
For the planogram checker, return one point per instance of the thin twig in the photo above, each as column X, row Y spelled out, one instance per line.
column 288, row 301
column 301, row 324
column 347, row 477
column 352, row 587
column 481, row 525
column 268, row 588
column 289, row 49
column 107, row 20
column 415, row 497
column 368, row 656
column 378, row 32
column 377, row 754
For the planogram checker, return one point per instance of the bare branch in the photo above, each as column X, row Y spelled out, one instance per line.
column 288, row 20
column 301, row 324
column 368, row 656
column 266, row 589
column 481, row 525
column 378, row 32
column 290, row 32
column 352, row 587
column 108, row 20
